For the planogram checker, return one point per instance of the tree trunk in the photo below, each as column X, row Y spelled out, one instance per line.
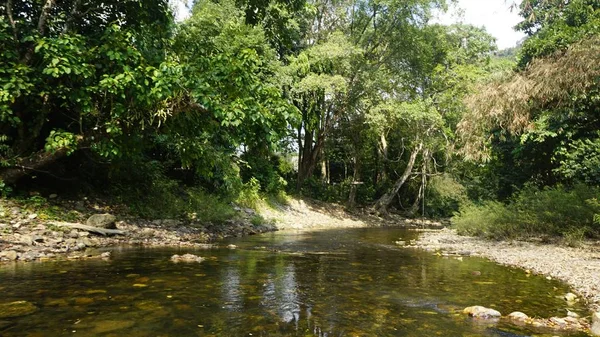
column 381, row 206
column 34, row 163
column 354, row 185
column 10, row 175
column 421, row 196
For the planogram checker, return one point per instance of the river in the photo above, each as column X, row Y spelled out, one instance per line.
column 342, row 282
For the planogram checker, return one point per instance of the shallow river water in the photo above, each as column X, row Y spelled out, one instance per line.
column 351, row 282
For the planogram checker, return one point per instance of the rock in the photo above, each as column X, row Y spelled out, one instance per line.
column 171, row 222
column 28, row 256
column 106, row 221
column 478, row 311
column 105, row 255
column 16, row 309
column 53, row 196
column 572, row 314
column 74, row 234
column 400, row 243
column 26, row 240
column 186, row 258
column 595, row 329
column 101, row 327
column 10, row 254
column 37, row 239
column 231, row 246
column 32, row 216
column 570, row 297
column 518, row 316
column 557, row 321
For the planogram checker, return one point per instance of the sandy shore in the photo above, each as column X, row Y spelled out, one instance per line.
column 578, row 267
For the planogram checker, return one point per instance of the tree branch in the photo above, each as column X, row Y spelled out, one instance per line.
column 11, row 20
column 42, row 22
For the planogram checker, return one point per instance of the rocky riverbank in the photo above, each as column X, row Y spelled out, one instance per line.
column 579, row 267
column 57, row 228
column 26, row 235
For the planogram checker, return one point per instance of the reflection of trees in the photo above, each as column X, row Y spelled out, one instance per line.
column 231, row 292
column 280, row 293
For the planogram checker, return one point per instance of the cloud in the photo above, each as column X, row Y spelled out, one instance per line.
column 495, row 15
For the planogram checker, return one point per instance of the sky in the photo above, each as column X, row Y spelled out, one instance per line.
column 494, row 15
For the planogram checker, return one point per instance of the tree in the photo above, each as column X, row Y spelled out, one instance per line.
column 80, row 74
column 542, row 115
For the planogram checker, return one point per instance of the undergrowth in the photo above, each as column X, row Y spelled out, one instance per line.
column 569, row 213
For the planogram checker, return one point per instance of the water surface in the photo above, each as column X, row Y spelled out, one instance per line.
column 351, row 282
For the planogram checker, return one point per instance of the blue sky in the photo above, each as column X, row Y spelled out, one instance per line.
column 494, row 15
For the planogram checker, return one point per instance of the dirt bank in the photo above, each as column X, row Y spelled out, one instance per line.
column 578, row 267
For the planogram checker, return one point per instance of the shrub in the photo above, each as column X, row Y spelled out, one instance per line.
column 444, row 196
column 249, row 195
column 556, row 211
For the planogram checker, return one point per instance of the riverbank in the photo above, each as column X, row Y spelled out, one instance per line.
column 579, row 267
column 29, row 233
column 45, row 231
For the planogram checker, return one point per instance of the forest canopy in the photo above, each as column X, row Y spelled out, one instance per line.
column 367, row 103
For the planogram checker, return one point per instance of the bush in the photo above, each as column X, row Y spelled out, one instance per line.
column 249, row 195
column 444, row 196
column 557, row 211
column 150, row 194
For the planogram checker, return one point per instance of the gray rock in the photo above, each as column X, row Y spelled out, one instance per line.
column 26, row 240
column 32, row 216
column 102, row 221
column 28, row 256
column 53, row 196
column 38, row 239
column 10, row 254
column 478, row 311
column 74, row 234
column 171, row 222
column 186, row 258
column 518, row 316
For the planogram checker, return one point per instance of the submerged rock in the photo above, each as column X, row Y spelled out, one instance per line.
column 16, row 309
column 186, row 258
column 478, row 311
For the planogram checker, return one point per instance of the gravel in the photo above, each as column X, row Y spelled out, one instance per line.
column 578, row 267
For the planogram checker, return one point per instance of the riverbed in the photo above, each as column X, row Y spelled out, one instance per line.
column 336, row 282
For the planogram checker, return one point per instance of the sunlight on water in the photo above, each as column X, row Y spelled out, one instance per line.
column 328, row 283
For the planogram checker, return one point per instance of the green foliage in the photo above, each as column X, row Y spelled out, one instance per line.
column 556, row 211
column 444, row 196
column 249, row 195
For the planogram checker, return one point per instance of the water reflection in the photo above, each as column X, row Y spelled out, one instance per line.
column 335, row 283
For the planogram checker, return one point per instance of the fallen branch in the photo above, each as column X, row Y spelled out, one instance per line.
column 93, row 229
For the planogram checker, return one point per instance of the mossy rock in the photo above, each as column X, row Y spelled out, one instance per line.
column 16, row 309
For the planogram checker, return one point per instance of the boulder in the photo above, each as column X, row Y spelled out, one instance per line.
column 16, row 309
column 518, row 316
column 106, row 221
column 10, row 254
column 478, row 311
column 186, row 258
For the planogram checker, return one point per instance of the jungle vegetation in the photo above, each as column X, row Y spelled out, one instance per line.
column 367, row 103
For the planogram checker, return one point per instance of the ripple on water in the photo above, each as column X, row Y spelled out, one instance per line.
column 327, row 283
